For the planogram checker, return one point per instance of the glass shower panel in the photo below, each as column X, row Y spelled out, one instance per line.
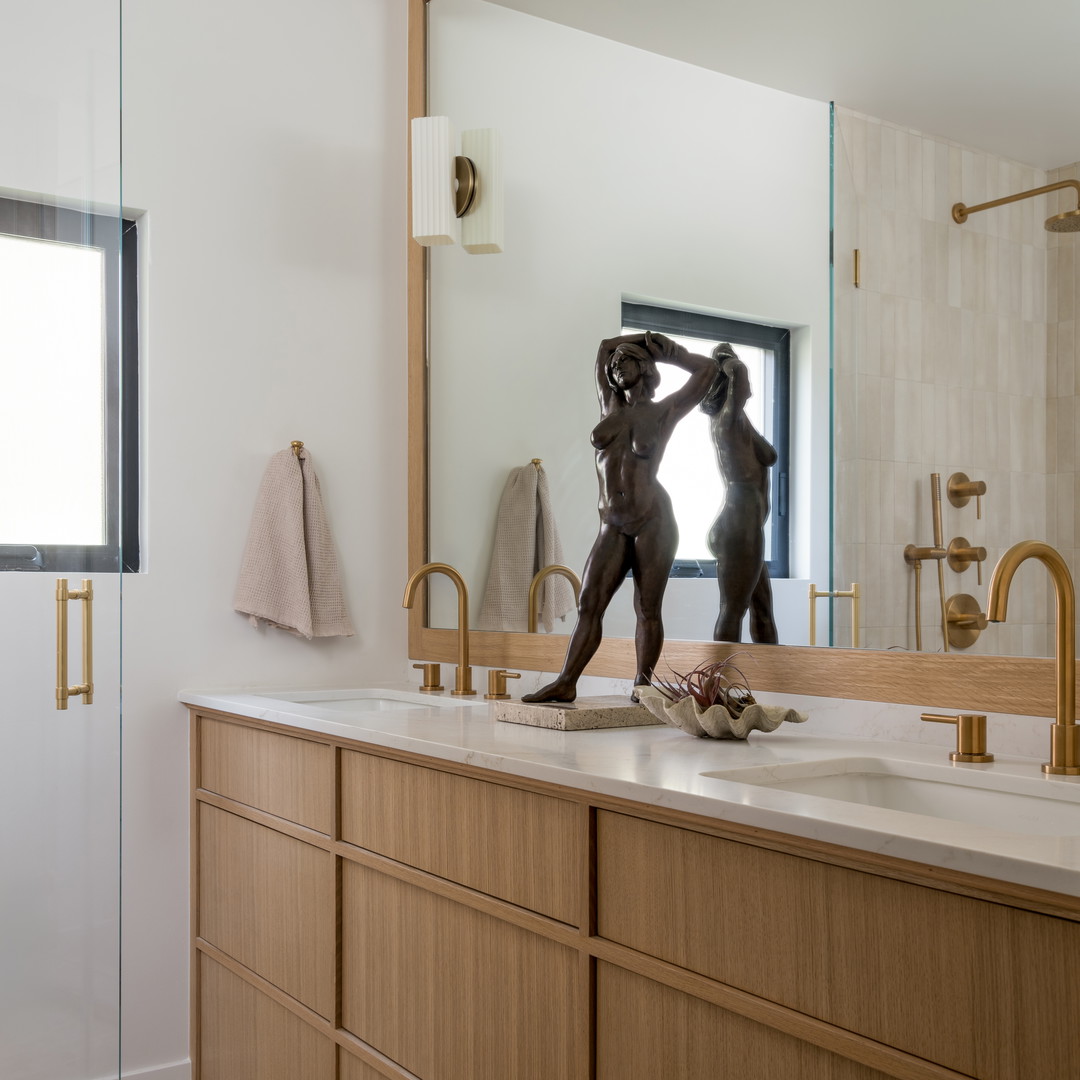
column 60, row 223
column 847, row 506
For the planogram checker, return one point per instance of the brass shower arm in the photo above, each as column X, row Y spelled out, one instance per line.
column 960, row 212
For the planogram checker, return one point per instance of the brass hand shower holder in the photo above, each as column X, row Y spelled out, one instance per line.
column 914, row 557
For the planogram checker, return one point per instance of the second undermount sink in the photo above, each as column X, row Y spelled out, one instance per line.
column 996, row 800
column 368, row 700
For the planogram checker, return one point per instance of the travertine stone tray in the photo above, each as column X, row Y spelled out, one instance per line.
column 585, row 714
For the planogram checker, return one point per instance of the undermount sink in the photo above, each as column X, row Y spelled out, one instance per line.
column 368, row 700
column 995, row 800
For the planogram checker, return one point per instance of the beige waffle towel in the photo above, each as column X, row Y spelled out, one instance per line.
column 289, row 577
column 526, row 540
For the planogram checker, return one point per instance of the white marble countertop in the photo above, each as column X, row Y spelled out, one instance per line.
column 663, row 767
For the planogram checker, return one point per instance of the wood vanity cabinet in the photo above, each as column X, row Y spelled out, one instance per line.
column 361, row 913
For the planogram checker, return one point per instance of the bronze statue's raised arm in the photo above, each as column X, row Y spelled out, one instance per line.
column 702, row 373
column 738, row 393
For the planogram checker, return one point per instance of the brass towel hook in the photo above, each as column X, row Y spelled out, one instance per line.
column 538, row 462
column 297, row 446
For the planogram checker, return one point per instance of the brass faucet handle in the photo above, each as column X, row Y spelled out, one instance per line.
column 431, row 677
column 970, row 735
column 497, row 683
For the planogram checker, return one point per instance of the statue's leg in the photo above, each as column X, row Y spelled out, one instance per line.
column 738, row 545
column 654, row 552
column 762, row 623
column 605, row 570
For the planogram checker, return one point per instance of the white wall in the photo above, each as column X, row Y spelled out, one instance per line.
column 266, row 141
column 627, row 174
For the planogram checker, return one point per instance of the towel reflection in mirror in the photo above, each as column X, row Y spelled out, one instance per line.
column 638, row 534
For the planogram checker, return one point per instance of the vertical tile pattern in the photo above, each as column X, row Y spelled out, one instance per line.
column 956, row 355
column 1063, row 402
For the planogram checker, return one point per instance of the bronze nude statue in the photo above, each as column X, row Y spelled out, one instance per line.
column 638, row 534
column 737, row 536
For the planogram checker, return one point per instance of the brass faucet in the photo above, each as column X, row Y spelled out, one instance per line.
column 463, row 675
column 538, row 580
column 1064, row 733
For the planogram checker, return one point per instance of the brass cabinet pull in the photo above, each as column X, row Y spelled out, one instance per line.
column 853, row 594
column 85, row 689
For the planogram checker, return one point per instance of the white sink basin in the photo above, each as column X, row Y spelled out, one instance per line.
column 368, row 700
column 974, row 795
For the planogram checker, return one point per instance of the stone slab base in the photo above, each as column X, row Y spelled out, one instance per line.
column 585, row 714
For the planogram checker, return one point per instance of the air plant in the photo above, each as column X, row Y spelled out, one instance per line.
column 718, row 682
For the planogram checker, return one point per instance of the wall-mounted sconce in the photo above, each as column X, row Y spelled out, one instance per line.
column 447, row 186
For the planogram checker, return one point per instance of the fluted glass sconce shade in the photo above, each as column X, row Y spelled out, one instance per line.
column 433, row 150
column 447, row 186
column 482, row 225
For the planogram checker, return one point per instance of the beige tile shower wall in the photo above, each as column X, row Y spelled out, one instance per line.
column 941, row 366
column 1063, row 387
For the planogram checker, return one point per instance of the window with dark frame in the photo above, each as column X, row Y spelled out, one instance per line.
column 82, row 418
column 695, row 462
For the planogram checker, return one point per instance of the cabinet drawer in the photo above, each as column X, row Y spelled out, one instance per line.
column 270, row 902
column 243, row 1035
column 517, row 845
column 290, row 778
column 646, row 1031
column 449, row 992
column 976, row 986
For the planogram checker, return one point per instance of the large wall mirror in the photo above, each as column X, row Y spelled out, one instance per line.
column 632, row 177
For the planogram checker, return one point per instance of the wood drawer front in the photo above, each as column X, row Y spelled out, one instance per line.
column 646, row 1031
column 290, row 778
column 517, row 845
column 354, row 1069
column 269, row 901
column 978, row 987
column 243, row 1035
column 449, row 992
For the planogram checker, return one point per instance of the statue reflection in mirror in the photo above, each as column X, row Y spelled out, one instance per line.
column 737, row 537
column 638, row 534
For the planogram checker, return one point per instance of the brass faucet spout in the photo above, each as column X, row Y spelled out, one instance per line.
column 1065, row 734
column 463, row 675
column 538, row 580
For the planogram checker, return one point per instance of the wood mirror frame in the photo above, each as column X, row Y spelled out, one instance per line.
column 1021, row 685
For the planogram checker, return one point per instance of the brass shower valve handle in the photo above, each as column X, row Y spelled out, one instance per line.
column 431, row 677
column 961, row 554
column 497, row 683
column 970, row 735
column 964, row 619
column 961, row 489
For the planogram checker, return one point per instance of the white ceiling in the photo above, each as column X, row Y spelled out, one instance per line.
column 999, row 75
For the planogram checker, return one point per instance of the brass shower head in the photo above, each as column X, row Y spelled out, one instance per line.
column 1066, row 222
